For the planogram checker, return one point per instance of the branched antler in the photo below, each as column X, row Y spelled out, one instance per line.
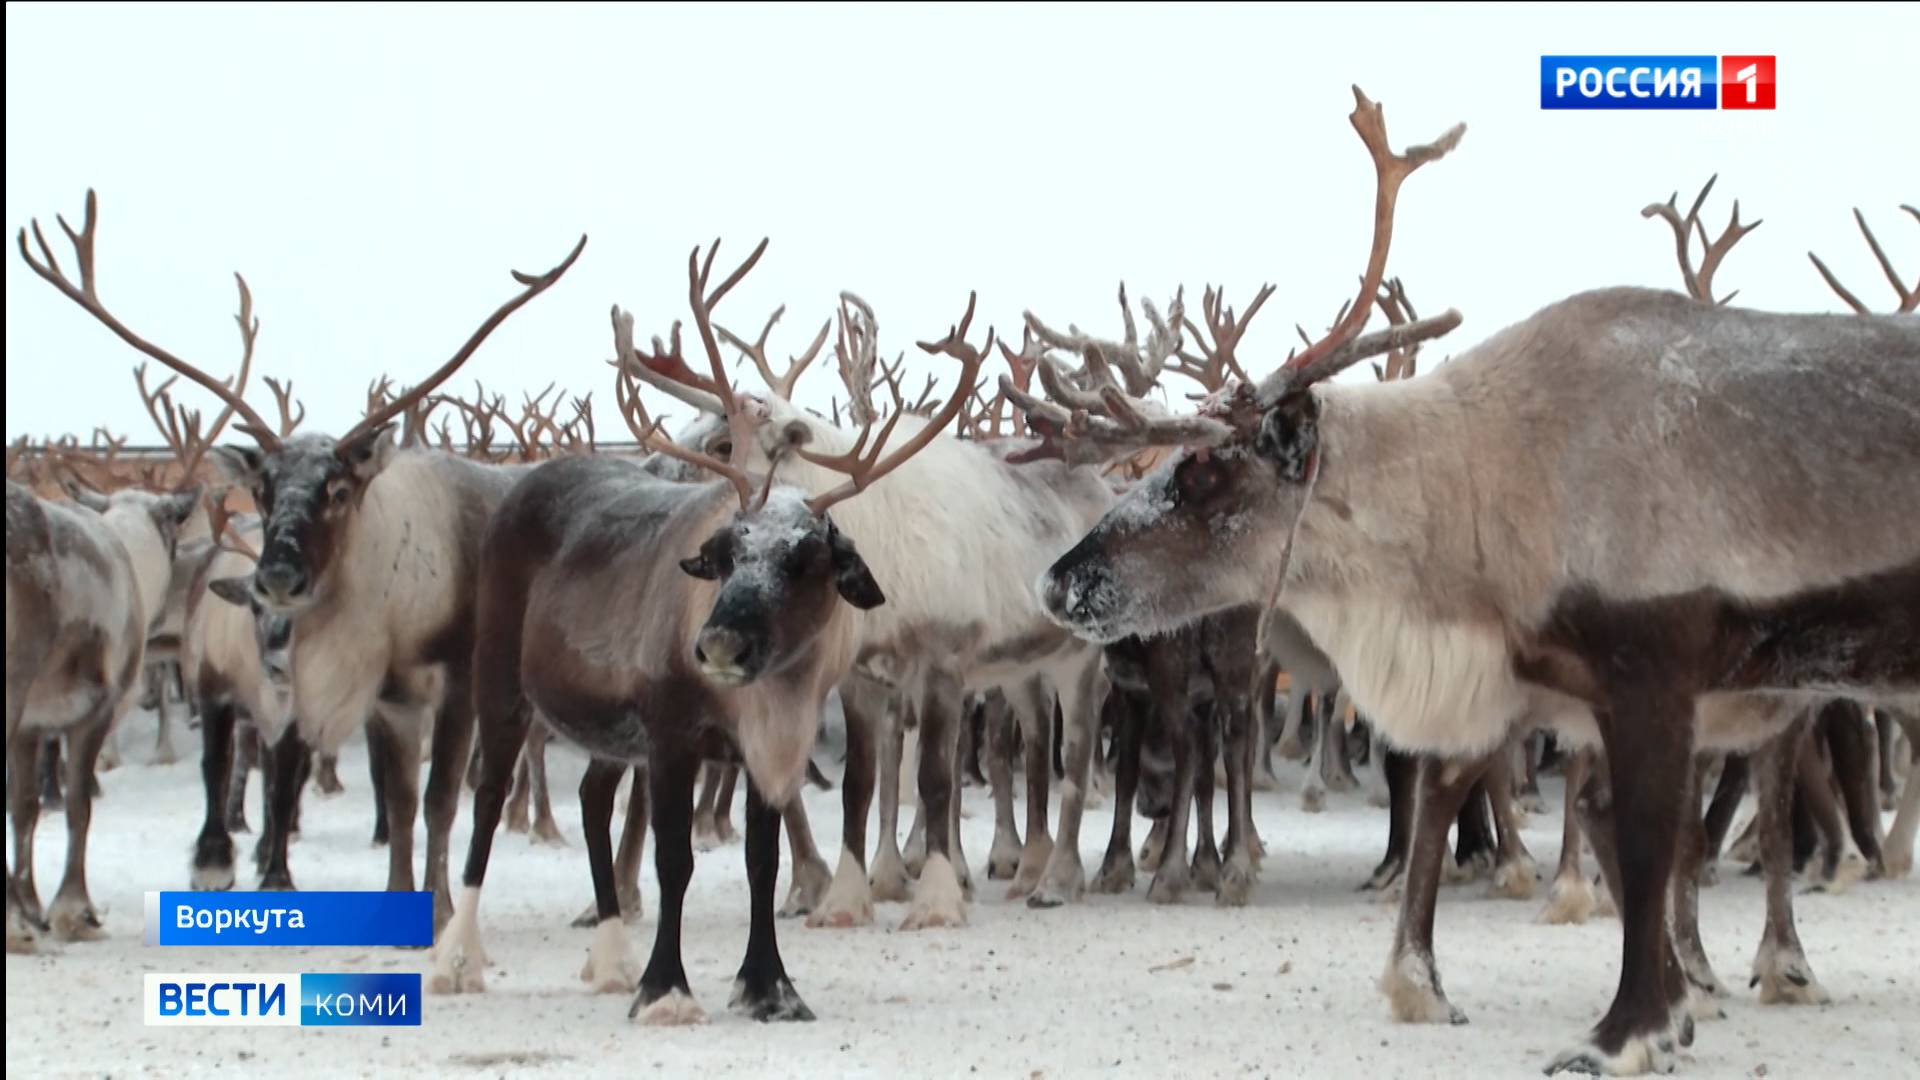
column 781, row 385
column 1224, row 331
column 284, row 402
column 1393, row 302
column 1699, row 281
column 1909, row 296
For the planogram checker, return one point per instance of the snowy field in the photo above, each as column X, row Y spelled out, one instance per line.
column 1113, row 985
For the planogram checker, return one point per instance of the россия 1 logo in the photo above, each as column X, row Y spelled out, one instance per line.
column 1657, row 82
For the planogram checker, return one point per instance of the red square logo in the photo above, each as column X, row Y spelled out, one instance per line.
column 1746, row 82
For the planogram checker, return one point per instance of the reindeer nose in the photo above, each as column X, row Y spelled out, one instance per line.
column 726, row 656
column 1055, row 593
column 280, row 583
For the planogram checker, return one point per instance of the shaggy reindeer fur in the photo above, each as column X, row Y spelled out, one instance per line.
column 1620, row 446
column 83, row 585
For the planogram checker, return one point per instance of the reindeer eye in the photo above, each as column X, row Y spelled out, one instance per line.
column 338, row 494
column 723, row 449
column 1195, row 480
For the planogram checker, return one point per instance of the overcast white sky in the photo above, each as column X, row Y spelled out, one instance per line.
column 375, row 172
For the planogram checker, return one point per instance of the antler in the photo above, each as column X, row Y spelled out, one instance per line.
column 86, row 295
column 1699, row 281
column 1909, row 297
column 534, row 287
column 856, row 347
column 1399, row 311
column 1139, row 365
column 1317, row 361
column 741, row 418
column 863, row 466
column 1225, row 332
column 220, row 523
column 781, row 385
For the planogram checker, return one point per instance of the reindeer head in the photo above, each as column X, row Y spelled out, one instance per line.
column 272, row 633
column 1197, row 535
column 307, row 488
column 782, row 565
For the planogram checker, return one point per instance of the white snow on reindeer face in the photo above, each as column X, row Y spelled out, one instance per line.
column 1181, row 545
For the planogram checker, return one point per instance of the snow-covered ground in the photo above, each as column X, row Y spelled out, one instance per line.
column 1113, row 985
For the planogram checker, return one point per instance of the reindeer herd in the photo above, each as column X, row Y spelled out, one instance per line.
column 1673, row 540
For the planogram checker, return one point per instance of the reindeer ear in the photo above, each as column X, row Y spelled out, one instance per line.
column 85, row 496
column 850, row 573
column 1290, row 434
column 237, row 591
column 240, row 464
column 369, row 453
column 794, row 434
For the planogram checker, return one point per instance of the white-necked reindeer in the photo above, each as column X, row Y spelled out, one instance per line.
column 1626, row 474
column 83, row 585
column 755, row 614
column 371, row 550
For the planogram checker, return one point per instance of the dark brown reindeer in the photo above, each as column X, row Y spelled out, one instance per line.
column 1545, row 455
column 370, row 550
column 749, row 634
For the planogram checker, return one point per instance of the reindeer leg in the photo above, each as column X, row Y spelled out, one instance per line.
column 849, row 899
column 1897, row 852
column 163, row 735
column 1003, row 860
column 245, row 754
column 1203, row 730
column 459, row 959
column 1816, row 794
column 762, row 989
column 285, row 772
column 888, row 875
column 515, row 815
column 52, row 769
column 1169, row 666
column 1238, row 872
column 1336, row 764
column 1402, row 771
column 610, row 967
column 452, row 746
column 1887, row 732
column 396, row 732
column 1649, row 745
column 1726, row 800
column 71, row 915
column 24, row 915
column 1290, row 745
column 1685, row 900
column 706, row 834
column 1571, row 898
column 1411, row 981
column 633, row 847
column 1065, row 878
column 1035, row 711
column 1514, row 874
column 1116, row 868
column 1780, row 967
column 810, row 874
column 326, row 775
column 1851, row 744
column 1265, row 731
column 545, row 829
column 1531, row 748
column 213, row 851
column 937, row 899
column 664, row 997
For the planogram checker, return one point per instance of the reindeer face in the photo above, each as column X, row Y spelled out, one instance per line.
column 1209, row 530
column 781, row 570
column 272, row 634
column 307, row 492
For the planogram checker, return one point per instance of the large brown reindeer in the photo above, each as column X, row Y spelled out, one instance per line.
column 371, row 550
column 747, row 635
column 1584, row 471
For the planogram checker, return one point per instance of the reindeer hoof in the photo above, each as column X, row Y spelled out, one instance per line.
column 674, row 1008
column 1413, row 992
column 1515, row 880
column 810, row 881
column 75, row 920
column 1637, row 1056
column 778, row 1001
column 1116, row 874
column 1570, row 902
column 22, row 937
column 1003, row 862
column 1784, row 977
column 1313, row 800
column 610, row 967
column 937, row 901
column 889, row 880
column 1169, row 886
column 1237, row 879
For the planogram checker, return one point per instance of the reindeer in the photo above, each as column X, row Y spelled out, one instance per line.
column 750, row 635
column 83, row 584
column 925, row 540
column 370, row 550
column 1431, row 578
